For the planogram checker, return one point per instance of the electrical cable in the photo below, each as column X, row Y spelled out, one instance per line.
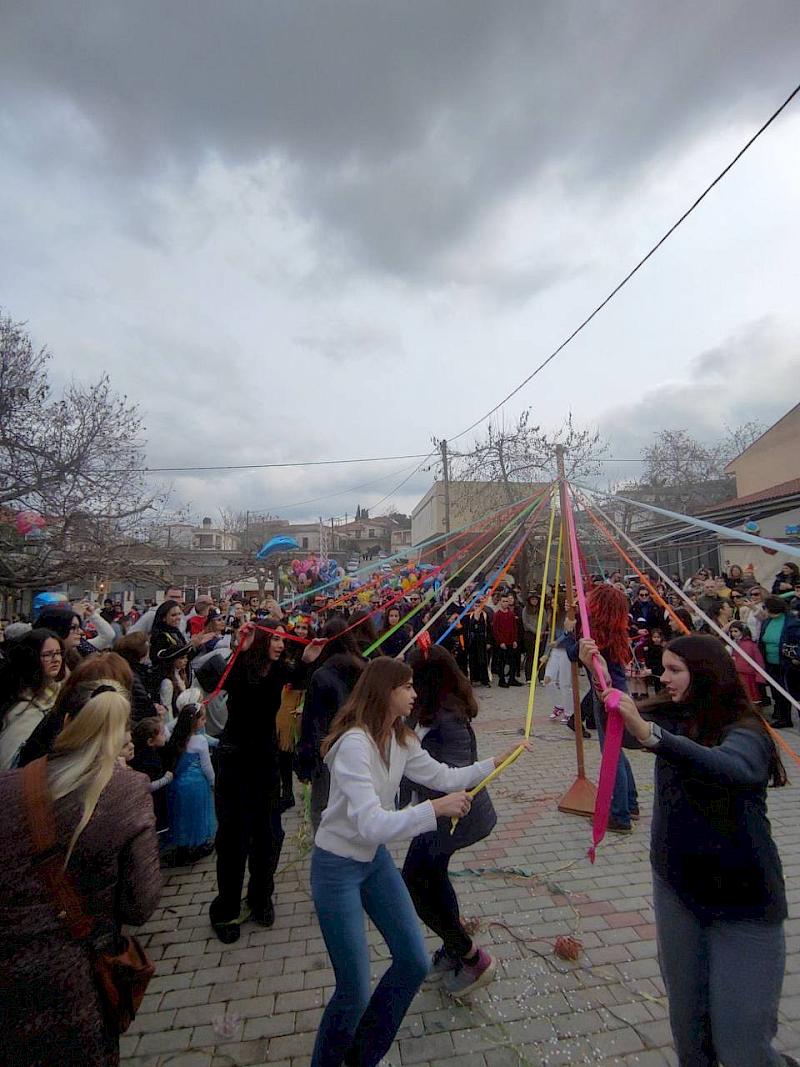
column 637, row 268
column 267, row 466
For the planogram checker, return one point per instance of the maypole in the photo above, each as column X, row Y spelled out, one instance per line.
column 580, row 798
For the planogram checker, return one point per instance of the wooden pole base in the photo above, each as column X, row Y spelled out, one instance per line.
column 579, row 798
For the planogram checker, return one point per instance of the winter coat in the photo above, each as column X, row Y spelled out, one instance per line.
column 49, row 1008
column 21, row 720
column 451, row 740
column 330, row 686
column 711, row 839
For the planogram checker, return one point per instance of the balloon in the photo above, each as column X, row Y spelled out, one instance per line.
column 280, row 543
column 46, row 600
column 28, row 521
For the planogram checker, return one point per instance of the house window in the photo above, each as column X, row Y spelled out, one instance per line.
column 371, row 533
column 305, row 542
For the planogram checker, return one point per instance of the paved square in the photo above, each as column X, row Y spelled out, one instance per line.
column 259, row 1001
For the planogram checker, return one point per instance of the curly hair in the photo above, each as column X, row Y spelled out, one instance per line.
column 609, row 616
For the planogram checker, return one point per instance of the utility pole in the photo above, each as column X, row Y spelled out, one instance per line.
column 446, row 479
column 579, row 799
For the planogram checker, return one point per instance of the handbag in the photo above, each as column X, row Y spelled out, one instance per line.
column 121, row 977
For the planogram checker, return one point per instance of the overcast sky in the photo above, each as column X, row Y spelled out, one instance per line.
column 318, row 230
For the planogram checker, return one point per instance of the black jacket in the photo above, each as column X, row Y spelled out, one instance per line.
column 142, row 703
column 330, row 686
column 711, row 839
column 451, row 740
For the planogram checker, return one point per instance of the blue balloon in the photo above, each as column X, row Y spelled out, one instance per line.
column 280, row 543
column 46, row 600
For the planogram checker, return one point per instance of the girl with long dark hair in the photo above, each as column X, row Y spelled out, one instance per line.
column 336, row 672
column 369, row 749
column 443, row 714
column 479, row 642
column 394, row 644
column 36, row 671
column 718, row 888
column 248, row 788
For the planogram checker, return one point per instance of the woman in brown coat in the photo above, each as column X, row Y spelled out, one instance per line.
column 50, row 1013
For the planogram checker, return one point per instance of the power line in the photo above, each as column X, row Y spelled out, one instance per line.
column 343, row 492
column 638, row 266
column 267, row 466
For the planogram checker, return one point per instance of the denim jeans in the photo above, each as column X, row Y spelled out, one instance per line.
column 355, row 1023
column 624, row 799
column 723, row 980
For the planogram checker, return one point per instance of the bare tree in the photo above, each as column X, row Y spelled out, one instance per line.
column 508, row 460
column 526, row 453
column 70, row 468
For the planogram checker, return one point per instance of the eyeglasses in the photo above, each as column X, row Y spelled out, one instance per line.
column 49, row 657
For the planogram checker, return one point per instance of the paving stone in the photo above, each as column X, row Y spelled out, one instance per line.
column 547, row 1011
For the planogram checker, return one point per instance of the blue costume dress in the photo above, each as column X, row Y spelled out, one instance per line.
column 192, row 821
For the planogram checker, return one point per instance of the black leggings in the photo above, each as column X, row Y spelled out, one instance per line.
column 286, row 763
column 428, row 882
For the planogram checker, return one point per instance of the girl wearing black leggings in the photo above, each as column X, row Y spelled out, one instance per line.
column 443, row 712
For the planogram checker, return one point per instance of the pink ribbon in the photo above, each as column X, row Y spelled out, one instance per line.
column 614, row 725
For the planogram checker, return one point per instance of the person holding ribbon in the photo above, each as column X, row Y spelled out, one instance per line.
column 369, row 749
column 248, row 792
column 718, row 888
column 609, row 619
column 443, row 713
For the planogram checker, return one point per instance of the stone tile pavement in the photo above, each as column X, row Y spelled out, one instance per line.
column 259, row 1001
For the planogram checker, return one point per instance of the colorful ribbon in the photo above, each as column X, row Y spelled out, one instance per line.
column 614, row 725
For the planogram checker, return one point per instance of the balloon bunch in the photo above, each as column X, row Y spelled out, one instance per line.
column 330, row 571
column 29, row 522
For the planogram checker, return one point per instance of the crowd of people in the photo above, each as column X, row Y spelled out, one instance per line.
column 220, row 708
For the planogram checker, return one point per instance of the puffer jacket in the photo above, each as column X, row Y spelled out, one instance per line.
column 451, row 740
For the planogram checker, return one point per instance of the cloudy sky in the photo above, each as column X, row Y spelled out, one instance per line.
column 296, row 230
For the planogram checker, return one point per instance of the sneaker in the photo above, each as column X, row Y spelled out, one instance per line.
column 565, row 717
column 515, row 681
column 467, row 977
column 556, row 714
column 441, row 965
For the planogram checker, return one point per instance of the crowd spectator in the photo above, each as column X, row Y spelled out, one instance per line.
column 51, row 1009
column 36, row 671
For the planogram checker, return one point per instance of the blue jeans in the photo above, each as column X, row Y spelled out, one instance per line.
column 624, row 799
column 343, row 890
column 723, row 980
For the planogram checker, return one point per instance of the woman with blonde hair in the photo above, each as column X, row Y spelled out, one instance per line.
column 51, row 1010
column 368, row 751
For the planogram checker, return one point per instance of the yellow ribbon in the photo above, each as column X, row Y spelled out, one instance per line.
column 539, row 621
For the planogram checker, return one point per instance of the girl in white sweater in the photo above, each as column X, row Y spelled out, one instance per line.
column 368, row 751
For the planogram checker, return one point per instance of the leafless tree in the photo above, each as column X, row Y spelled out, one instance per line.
column 73, row 463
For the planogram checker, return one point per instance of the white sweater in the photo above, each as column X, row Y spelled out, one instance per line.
column 361, row 813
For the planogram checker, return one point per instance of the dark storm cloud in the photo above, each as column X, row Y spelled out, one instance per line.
column 401, row 124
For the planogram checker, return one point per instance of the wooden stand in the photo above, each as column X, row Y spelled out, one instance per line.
column 579, row 799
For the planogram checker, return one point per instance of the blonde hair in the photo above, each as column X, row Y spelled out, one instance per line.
column 86, row 750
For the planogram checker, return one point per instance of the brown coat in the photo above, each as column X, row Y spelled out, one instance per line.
column 49, row 1009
